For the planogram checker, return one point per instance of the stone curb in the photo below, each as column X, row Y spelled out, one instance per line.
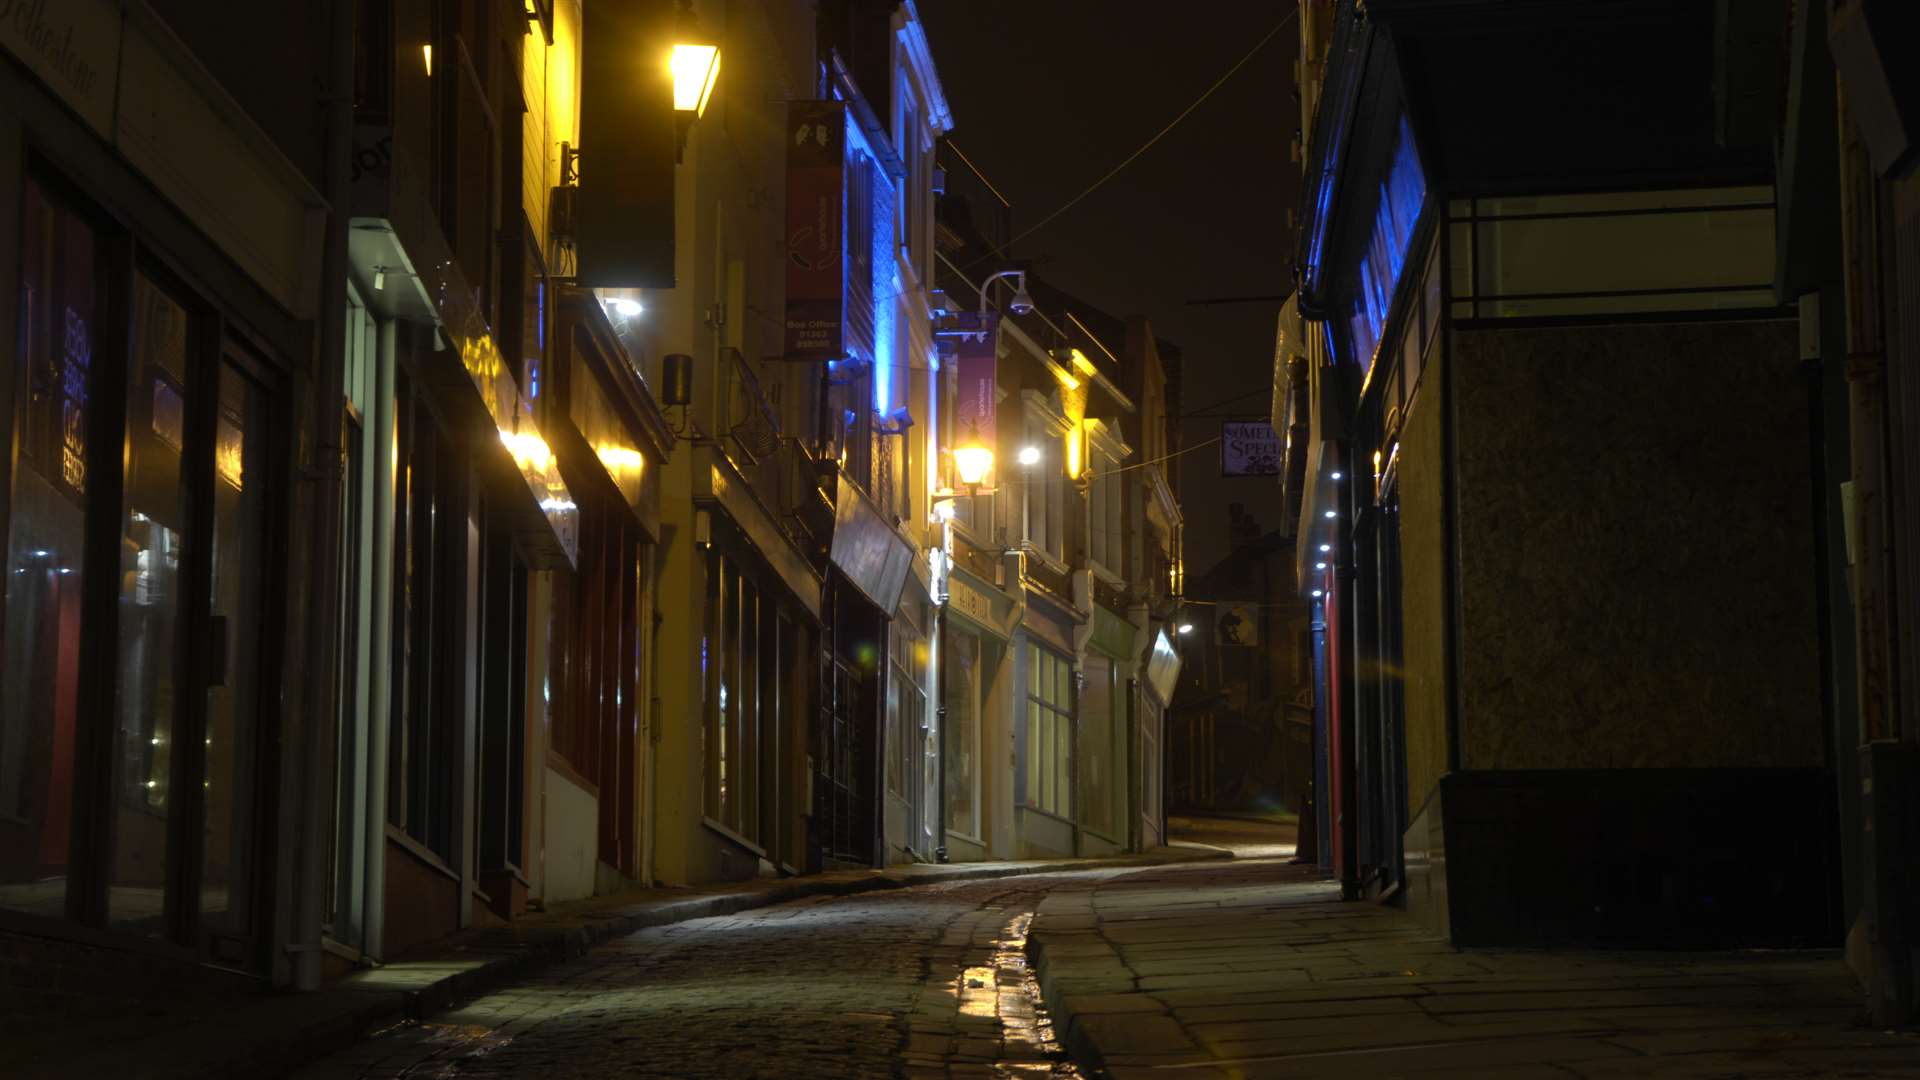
column 285, row 1031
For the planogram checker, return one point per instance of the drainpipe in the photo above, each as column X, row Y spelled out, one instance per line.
column 380, row 644
column 318, row 711
column 940, row 708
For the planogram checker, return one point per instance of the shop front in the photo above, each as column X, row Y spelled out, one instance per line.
column 976, row 694
column 153, row 584
column 611, row 442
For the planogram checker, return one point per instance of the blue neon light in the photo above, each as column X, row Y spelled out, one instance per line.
column 1402, row 194
column 884, row 288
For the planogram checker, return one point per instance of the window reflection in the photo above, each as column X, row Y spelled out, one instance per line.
column 152, row 529
column 45, row 560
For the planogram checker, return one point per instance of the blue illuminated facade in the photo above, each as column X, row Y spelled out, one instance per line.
column 1403, row 192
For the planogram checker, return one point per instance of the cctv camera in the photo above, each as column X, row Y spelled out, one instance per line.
column 1021, row 304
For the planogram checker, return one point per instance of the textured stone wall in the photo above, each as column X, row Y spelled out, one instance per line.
column 1423, row 582
column 1635, row 548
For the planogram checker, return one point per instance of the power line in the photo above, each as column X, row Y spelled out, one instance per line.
column 1161, row 134
column 975, row 169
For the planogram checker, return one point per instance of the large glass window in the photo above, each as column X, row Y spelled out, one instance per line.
column 962, row 736
column 742, row 696
column 154, row 527
column 232, row 737
column 1615, row 252
column 172, row 478
column 1049, row 731
column 45, row 518
column 428, row 523
column 906, row 710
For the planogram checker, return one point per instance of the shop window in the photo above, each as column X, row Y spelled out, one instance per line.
column 46, row 564
column 424, row 723
column 962, row 733
column 741, row 696
column 233, row 732
column 1049, row 732
column 154, row 529
column 172, row 476
column 906, row 710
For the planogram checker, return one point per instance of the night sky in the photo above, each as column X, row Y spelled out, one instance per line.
column 1047, row 95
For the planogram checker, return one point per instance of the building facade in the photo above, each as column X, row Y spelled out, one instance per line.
column 1551, row 435
column 459, row 470
column 1060, row 565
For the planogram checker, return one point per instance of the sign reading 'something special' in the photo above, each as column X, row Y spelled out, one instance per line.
column 1249, row 448
column 816, row 215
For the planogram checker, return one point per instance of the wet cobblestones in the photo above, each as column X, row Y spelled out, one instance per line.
column 928, row 981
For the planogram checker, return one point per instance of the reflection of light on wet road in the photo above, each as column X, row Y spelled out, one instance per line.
column 1005, row 988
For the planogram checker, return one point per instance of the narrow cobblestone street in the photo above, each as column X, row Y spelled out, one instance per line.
column 928, row 981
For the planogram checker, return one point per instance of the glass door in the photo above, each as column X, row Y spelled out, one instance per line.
column 233, row 633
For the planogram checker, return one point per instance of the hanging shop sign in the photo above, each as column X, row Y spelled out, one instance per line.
column 1249, row 448
column 816, row 214
column 1163, row 667
column 1237, row 622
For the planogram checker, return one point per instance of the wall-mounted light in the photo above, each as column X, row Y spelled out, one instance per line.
column 895, row 423
column 695, row 65
column 972, row 461
column 1186, row 628
column 1029, row 455
column 626, row 308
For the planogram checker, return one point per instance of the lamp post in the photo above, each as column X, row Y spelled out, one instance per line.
column 1021, row 302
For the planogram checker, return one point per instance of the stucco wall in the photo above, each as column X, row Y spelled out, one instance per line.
column 1423, row 583
column 573, row 839
column 1635, row 547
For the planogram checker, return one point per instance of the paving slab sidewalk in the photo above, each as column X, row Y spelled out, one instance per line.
column 269, row 1034
column 1256, row 969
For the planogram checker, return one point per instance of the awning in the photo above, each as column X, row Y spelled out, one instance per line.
column 868, row 549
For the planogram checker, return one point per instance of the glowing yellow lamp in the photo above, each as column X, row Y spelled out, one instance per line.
column 973, row 463
column 696, row 67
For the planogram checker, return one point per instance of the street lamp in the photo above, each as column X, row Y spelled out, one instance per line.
column 1021, row 303
column 1029, row 455
column 695, row 66
column 972, row 462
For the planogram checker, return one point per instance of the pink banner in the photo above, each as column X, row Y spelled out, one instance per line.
column 975, row 339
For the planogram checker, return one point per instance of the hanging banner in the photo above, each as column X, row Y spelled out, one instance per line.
column 1249, row 448
column 816, row 216
column 975, row 337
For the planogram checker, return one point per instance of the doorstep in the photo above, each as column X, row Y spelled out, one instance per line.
column 274, row 1033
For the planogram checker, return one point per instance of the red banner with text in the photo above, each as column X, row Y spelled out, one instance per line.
column 816, row 216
